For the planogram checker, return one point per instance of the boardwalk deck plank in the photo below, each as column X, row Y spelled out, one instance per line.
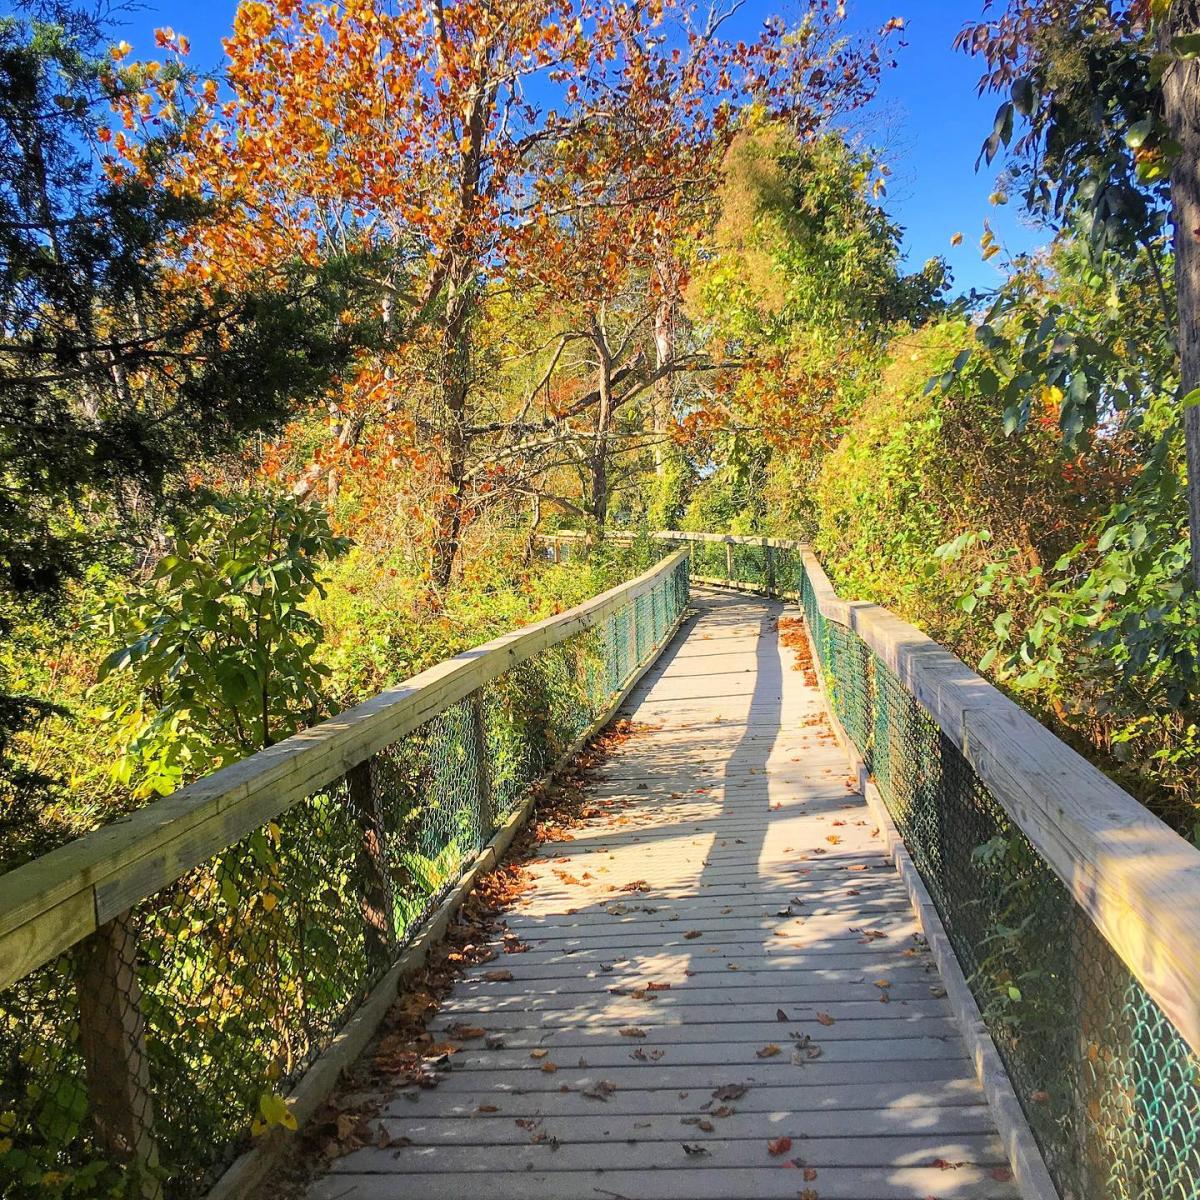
column 734, row 863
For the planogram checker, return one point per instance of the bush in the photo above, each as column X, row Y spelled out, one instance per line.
column 218, row 643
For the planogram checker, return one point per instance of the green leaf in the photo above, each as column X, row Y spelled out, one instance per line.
column 1192, row 398
column 1186, row 45
column 1136, row 135
column 118, row 660
column 1022, row 95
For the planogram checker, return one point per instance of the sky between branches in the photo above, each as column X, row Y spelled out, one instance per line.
column 927, row 118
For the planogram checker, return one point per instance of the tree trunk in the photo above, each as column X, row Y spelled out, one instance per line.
column 599, row 464
column 1181, row 100
column 455, row 349
column 665, row 317
column 455, row 387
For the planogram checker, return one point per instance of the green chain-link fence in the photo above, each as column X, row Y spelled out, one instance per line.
column 137, row 1062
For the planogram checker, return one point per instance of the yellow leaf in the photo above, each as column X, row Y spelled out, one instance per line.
column 956, row 240
column 275, row 1111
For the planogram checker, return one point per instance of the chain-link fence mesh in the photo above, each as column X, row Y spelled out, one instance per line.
column 140, row 1062
column 773, row 568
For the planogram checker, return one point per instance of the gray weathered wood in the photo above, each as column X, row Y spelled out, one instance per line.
column 374, row 883
column 251, row 1167
column 112, row 1039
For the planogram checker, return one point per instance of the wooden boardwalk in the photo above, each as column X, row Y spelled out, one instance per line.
column 726, row 961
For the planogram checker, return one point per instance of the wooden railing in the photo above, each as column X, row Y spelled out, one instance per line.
column 91, row 932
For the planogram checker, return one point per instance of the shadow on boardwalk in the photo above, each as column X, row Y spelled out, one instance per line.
column 720, row 996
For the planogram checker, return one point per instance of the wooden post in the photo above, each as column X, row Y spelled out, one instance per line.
column 112, row 1039
column 557, row 550
column 374, row 882
column 483, row 774
column 729, row 561
column 769, row 553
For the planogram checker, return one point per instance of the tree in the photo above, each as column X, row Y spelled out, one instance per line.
column 1178, row 47
column 803, row 282
column 116, row 377
column 445, row 137
column 218, row 641
column 1109, row 95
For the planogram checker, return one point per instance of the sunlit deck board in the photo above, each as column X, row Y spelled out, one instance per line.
column 741, row 831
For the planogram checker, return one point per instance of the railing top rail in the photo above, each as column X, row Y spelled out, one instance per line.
column 1137, row 879
column 678, row 535
column 51, row 903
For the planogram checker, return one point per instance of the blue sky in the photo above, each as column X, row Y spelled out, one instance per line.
column 927, row 118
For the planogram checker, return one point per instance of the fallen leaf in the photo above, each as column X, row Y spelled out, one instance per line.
column 1001, row 1174
column 487, row 1108
column 767, row 1051
column 549, row 1067
column 692, row 933
column 538, row 1053
column 693, row 1149
column 780, row 1015
column 632, row 1031
column 826, row 1019
column 810, row 1173
column 503, row 975
column 730, row 1091
column 779, row 1145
